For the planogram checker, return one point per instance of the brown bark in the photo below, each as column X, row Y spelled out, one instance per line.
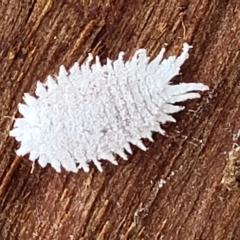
column 125, row 202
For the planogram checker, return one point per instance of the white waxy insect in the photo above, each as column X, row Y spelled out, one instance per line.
column 94, row 112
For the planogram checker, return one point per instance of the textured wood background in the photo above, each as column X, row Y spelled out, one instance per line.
column 125, row 202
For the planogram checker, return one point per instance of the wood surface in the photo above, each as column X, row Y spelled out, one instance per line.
column 201, row 196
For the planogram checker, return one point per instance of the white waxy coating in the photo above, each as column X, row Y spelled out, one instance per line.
column 94, row 112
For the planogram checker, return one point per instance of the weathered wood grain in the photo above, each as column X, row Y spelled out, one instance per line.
column 125, row 202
